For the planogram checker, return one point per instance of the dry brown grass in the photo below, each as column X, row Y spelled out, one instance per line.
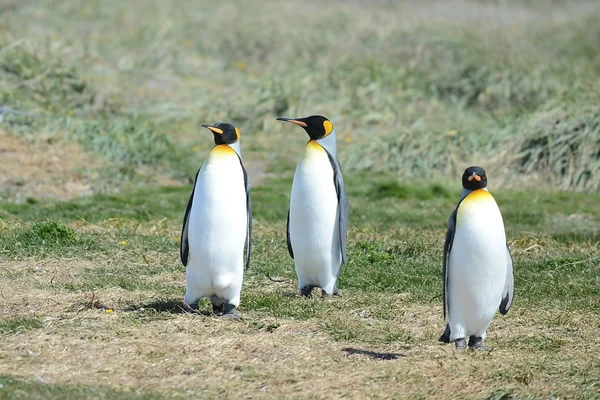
column 44, row 170
column 189, row 354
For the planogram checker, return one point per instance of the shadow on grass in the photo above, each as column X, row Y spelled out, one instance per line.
column 168, row 306
column 373, row 354
column 314, row 293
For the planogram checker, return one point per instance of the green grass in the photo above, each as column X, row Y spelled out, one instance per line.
column 514, row 87
column 17, row 389
column 15, row 325
column 141, row 204
column 90, row 286
column 374, row 202
column 44, row 239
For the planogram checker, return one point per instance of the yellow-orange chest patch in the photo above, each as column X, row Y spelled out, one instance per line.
column 313, row 148
column 222, row 150
column 475, row 200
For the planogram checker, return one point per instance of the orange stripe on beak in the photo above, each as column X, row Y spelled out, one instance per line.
column 294, row 121
column 212, row 128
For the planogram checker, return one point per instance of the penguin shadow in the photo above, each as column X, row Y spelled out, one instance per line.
column 297, row 295
column 373, row 354
column 167, row 306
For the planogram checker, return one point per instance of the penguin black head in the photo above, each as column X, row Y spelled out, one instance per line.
column 224, row 132
column 317, row 126
column 474, row 178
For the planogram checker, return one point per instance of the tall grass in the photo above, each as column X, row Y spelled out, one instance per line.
column 419, row 89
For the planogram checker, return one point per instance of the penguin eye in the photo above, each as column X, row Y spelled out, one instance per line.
column 237, row 132
column 328, row 127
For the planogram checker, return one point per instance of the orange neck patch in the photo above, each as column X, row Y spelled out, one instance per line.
column 222, row 149
column 478, row 195
column 313, row 145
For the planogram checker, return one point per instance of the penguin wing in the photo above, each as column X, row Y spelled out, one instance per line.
column 249, row 213
column 447, row 248
column 507, row 294
column 287, row 234
column 343, row 205
column 184, row 246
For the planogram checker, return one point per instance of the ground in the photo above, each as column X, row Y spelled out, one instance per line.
column 94, row 180
column 45, row 170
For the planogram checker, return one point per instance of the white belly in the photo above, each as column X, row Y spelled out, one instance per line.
column 477, row 266
column 217, row 229
column 314, row 230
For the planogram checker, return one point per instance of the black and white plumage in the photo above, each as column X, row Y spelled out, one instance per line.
column 317, row 223
column 477, row 265
column 218, row 225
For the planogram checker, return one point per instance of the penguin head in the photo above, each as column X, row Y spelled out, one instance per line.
column 474, row 178
column 317, row 126
column 224, row 132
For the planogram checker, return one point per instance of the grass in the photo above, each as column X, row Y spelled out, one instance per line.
column 19, row 324
column 20, row 389
column 125, row 293
column 114, row 93
column 513, row 85
column 44, row 238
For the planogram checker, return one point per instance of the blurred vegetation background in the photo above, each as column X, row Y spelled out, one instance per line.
column 414, row 89
column 101, row 103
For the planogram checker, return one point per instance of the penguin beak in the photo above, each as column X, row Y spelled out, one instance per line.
column 474, row 176
column 293, row 121
column 212, row 128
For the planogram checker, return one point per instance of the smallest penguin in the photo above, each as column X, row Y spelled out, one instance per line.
column 217, row 225
column 477, row 265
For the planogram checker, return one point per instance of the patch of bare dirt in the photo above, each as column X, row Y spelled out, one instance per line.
column 43, row 170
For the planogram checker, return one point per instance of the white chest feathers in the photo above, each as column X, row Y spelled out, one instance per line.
column 313, row 228
column 479, row 226
column 477, row 266
column 218, row 218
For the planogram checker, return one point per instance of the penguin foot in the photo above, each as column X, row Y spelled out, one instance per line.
column 477, row 343
column 306, row 291
column 218, row 309
column 460, row 344
column 445, row 338
column 324, row 293
column 230, row 311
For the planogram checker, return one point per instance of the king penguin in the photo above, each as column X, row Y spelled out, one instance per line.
column 317, row 221
column 217, row 225
column 477, row 265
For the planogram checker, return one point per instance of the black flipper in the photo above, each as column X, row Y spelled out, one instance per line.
column 249, row 212
column 507, row 294
column 338, row 181
column 287, row 234
column 447, row 248
column 184, row 246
